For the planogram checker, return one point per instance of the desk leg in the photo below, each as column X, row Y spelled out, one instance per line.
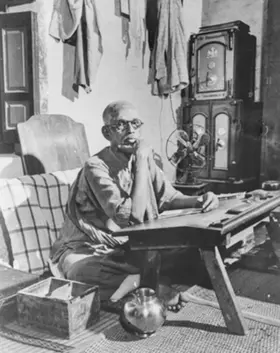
column 226, row 297
column 150, row 270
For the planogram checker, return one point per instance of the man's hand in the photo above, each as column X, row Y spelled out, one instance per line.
column 142, row 150
column 139, row 148
column 209, row 201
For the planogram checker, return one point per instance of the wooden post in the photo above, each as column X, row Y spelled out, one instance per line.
column 222, row 286
column 150, row 270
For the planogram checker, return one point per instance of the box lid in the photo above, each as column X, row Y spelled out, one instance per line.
column 225, row 26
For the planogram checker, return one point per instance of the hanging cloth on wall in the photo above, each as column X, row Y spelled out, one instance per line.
column 137, row 25
column 168, row 64
column 122, row 11
column 76, row 22
column 151, row 22
column 133, row 16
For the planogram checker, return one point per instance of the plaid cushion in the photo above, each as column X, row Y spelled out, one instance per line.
column 33, row 211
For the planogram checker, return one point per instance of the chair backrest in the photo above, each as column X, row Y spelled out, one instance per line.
column 52, row 142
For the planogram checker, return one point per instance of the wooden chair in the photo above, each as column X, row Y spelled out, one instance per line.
column 52, row 142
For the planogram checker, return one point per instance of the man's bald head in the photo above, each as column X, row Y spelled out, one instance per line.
column 116, row 110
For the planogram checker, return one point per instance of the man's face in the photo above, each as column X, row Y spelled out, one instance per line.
column 125, row 130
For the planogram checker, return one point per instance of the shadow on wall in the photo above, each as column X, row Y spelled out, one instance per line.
column 68, row 72
column 33, row 165
column 158, row 160
column 11, row 167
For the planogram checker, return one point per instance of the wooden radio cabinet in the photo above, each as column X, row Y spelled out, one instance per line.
column 220, row 99
column 222, row 62
column 233, row 153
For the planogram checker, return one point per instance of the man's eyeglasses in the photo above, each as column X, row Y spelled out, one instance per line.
column 122, row 125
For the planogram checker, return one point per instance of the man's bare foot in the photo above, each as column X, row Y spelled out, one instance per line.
column 171, row 297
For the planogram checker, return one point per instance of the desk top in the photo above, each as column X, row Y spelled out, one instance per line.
column 191, row 227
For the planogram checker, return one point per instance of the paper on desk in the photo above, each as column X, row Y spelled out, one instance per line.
column 177, row 213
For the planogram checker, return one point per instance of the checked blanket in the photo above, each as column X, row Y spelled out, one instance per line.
column 31, row 215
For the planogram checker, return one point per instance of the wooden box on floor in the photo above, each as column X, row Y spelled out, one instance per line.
column 60, row 307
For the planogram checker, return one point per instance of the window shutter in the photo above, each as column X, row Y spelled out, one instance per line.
column 17, row 54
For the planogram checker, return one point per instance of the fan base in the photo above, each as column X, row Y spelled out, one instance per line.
column 194, row 182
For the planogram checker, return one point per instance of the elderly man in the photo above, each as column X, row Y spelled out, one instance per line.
column 119, row 186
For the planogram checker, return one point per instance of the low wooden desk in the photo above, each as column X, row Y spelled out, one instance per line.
column 207, row 231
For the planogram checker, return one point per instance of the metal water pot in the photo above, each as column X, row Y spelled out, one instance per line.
column 143, row 313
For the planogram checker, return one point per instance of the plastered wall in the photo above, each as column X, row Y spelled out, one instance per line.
column 117, row 78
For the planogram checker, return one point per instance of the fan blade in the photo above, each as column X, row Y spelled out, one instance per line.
column 200, row 158
column 202, row 140
column 200, row 154
column 183, row 134
column 184, row 142
column 177, row 157
column 205, row 139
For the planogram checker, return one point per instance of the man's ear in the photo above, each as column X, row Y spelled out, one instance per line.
column 106, row 132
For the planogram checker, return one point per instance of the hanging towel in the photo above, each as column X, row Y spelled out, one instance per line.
column 76, row 22
column 168, row 72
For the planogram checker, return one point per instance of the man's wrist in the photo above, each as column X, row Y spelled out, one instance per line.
column 141, row 163
column 140, row 158
column 199, row 202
